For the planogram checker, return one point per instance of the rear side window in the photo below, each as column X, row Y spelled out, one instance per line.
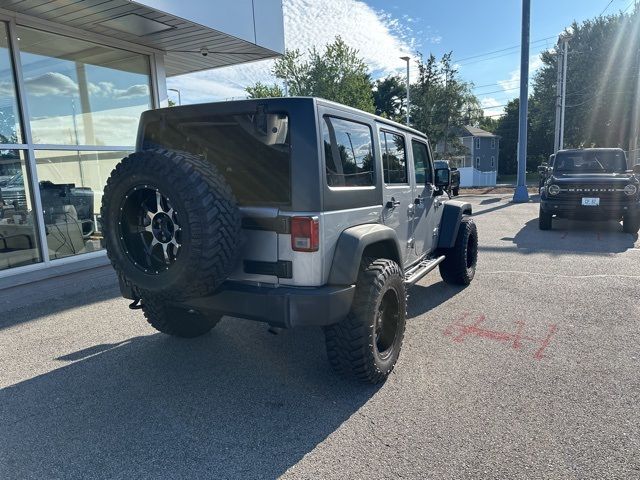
column 348, row 153
column 421, row 163
column 394, row 157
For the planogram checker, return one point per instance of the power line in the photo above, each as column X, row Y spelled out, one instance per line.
column 501, row 50
column 605, row 8
column 498, row 56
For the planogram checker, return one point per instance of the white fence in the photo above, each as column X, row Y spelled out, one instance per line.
column 470, row 177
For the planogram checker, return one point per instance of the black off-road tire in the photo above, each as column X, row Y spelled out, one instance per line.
column 459, row 265
column 353, row 348
column 210, row 222
column 631, row 224
column 456, row 192
column 176, row 321
column 545, row 220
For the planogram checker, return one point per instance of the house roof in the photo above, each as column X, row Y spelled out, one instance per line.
column 469, row 131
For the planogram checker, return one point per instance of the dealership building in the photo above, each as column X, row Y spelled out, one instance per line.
column 74, row 78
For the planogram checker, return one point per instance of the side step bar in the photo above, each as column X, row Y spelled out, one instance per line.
column 418, row 271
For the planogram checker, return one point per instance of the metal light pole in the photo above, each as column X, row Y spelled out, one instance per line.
column 521, row 195
column 178, row 92
column 407, row 59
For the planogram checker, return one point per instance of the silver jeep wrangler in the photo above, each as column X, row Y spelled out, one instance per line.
column 289, row 211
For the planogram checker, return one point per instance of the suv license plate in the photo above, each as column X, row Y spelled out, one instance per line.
column 590, row 202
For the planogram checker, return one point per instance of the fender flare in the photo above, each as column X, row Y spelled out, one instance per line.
column 350, row 248
column 450, row 223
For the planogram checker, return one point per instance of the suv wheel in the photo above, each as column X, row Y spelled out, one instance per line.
column 171, row 223
column 631, row 224
column 459, row 265
column 545, row 220
column 367, row 343
column 176, row 321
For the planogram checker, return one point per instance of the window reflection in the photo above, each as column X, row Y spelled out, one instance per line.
column 81, row 93
column 71, row 186
column 9, row 119
column 18, row 240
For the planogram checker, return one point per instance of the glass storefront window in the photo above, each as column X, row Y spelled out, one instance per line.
column 18, row 239
column 9, row 118
column 71, row 186
column 82, row 93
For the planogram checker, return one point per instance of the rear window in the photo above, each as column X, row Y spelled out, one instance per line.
column 348, row 153
column 251, row 150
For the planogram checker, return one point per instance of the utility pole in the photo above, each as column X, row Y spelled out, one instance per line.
column 560, row 62
column 635, row 117
column 565, row 62
column 407, row 59
column 561, row 92
column 521, row 194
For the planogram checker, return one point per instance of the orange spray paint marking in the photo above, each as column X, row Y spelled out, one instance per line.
column 461, row 331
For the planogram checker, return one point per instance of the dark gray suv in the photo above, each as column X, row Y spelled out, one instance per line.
column 289, row 211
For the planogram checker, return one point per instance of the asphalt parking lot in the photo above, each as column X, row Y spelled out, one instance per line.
column 530, row 372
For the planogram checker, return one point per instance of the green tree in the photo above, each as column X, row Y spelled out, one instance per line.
column 441, row 102
column 337, row 74
column 601, row 98
column 260, row 90
column 389, row 97
column 507, row 129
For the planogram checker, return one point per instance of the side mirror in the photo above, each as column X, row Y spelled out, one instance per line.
column 443, row 177
column 636, row 169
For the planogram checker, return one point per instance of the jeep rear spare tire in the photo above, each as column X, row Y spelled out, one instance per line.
column 171, row 224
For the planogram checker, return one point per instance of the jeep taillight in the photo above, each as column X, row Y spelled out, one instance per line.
column 305, row 234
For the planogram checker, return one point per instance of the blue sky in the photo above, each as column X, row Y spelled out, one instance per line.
column 385, row 30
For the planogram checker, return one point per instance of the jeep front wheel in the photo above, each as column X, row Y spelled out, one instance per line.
column 366, row 345
column 459, row 265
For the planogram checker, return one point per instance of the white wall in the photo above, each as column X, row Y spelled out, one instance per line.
column 470, row 177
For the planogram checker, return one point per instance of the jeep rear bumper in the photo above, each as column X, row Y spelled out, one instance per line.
column 284, row 307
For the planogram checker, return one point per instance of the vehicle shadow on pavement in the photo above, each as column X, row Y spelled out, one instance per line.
column 236, row 403
column 19, row 310
column 423, row 298
column 500, row 206
column 573, row 236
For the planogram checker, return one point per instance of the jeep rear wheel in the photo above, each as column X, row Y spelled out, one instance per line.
column 177, row 321
column 366, row 345
column 171, row 224
column 459, row 264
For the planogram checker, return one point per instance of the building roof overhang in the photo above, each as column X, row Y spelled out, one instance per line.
column 193, row 35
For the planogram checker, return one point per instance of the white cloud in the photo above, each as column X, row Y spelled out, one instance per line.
column 379, row 37
column 59, row 84
column 491, row 106
column 514, row 76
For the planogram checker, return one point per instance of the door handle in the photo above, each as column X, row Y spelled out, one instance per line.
column 393, row 203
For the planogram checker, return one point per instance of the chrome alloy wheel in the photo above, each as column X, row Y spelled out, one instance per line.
column 150, row 231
